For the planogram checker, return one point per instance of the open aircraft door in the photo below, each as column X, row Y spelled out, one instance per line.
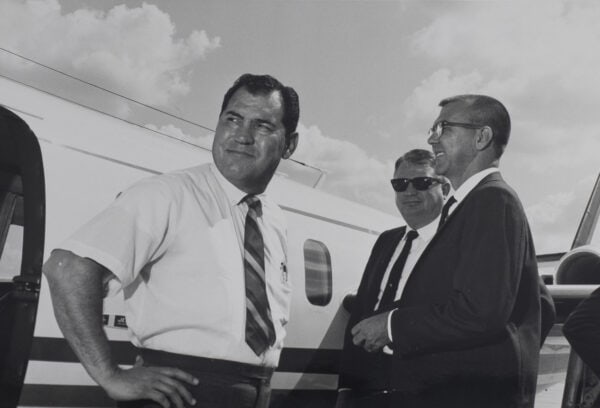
column 22, row 221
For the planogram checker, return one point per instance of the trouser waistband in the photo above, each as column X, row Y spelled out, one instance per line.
column 211, row 365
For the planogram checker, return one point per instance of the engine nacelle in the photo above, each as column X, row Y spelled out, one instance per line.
column 580, row 266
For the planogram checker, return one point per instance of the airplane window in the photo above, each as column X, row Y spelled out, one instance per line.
column 11, row 227
column 10, row 262
column 317, row 267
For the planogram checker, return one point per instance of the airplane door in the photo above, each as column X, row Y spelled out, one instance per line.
column 22, row 221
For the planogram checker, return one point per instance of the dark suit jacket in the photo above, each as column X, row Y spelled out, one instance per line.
column 359, row 369
column 467, row 329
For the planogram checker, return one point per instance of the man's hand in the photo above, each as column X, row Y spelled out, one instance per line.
column 371, row 333
column 163, row 385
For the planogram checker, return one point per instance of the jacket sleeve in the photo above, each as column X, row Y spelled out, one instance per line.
column 357, row 312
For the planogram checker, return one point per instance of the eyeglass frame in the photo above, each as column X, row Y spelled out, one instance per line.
column 444, row 124
column 435, row 181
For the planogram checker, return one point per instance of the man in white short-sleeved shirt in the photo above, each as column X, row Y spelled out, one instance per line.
column 200, row 255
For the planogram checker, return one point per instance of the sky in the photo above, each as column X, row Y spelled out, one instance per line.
column 369, row 74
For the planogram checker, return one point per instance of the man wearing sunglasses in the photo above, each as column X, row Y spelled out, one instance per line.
column 366, row 368
column 469, row 325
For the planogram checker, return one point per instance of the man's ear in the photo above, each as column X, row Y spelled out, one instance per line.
column 446, row 188
column 291, row 142
column 484, row 139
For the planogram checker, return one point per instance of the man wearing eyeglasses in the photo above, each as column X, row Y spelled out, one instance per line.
column 366, row 368
column 468, row 328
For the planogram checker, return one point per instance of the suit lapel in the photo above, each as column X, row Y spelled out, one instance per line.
column 493, row 177
column 487, row 179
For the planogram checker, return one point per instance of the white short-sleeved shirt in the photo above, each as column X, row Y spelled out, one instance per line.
column 175, row 244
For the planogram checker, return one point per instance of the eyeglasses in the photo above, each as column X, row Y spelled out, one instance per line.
column 419, row 183
column 438, row 129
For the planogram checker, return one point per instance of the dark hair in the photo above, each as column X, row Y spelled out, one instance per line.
column 265, row 84
column 485, row 110
column 416, row 156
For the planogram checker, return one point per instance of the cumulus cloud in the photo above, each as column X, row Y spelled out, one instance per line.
column 516, row 53
column 431, row 90
column 550, row 209
column 537, row 59
column 554, row 218
column 350, row 171
column 539, row 25
column 130, row 50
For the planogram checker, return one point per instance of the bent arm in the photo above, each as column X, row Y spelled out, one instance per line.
column 76, row 286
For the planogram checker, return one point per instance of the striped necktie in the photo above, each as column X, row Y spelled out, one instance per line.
column 445, row 211
column 389, row 293
column 260, row 333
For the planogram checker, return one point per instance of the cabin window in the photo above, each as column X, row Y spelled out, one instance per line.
column 317, row 267
column 11, row 229
column 10, row 261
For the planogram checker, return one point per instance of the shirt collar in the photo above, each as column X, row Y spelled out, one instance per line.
column 428, row 231
column 471, row 183
column 234, row 194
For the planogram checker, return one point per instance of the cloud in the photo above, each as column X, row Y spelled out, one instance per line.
column 420, row 104
column 350, row 172
column 540, row 51
column 130, row 50
column 554, row 218
column 539, row 59
column 550, row 208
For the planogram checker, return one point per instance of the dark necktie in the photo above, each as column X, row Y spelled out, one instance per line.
column 445, row 210
column 260, row 333
column 389, row 293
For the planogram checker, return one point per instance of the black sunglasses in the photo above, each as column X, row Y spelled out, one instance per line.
column 419, row 183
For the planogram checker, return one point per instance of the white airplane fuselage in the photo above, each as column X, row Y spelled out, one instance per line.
column 89, row 157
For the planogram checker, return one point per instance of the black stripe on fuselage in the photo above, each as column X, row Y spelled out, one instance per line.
column 296, row 360
column 42, row 395
column 46, row 395
column 292, row 360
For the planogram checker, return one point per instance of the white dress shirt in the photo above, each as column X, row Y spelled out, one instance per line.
column 469, row 185
column 419, row 244
column 175, row 244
